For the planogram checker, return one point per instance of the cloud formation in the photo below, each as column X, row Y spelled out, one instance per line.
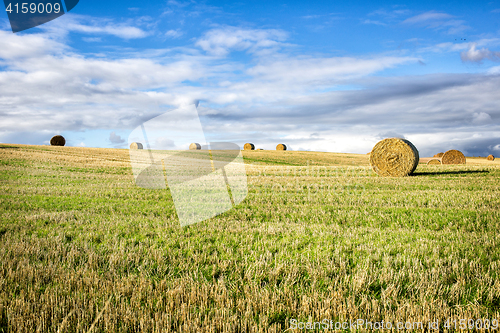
column 438, row 21
column 374, row 22
column 426, row 17
column 115, row 139
column 95, row 26
column 310, row 102
column 173, row 33
column 221, row 41
column 475, row 55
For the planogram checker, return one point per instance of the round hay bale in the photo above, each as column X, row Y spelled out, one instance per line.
column 136, row 145
column 260, row 149
column 453, row 157
column 394, row 157
column 434, row 161
column 194, row 146
column 249, row 146
column 281, row 146
column 438, row 155
column 57, row 140
column 490, row 158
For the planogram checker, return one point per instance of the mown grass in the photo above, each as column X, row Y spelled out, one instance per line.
column 319, row 236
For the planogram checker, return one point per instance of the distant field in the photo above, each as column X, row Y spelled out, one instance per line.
column 319, row 236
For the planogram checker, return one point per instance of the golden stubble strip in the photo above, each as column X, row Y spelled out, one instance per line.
column 99, row 315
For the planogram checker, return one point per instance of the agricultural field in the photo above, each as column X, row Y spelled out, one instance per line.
column 319, row 236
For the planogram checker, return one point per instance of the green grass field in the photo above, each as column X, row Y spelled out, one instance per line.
column 319, row 236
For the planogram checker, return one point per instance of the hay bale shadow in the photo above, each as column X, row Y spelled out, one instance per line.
column 437, row 173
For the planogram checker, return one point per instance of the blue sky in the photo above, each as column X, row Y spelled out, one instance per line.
column 322, row 75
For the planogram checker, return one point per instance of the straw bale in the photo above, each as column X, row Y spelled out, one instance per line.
column 136, row 145
column 249, row 146
column 57, row 140
column 434, row 161
column 394, row 157
column 281, row 146
column 194, row 146
column 453, row 157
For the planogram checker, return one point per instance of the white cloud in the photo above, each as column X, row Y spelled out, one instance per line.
column 44, row 84
column 178, row 3
column 308, row 17
column 374, row 22
column 47, row 85
column 121, row 31
column 173, row 33
column 221, row 41
column 323, row 70
column 98, row 74
column 164, row 143
column 389, row 15
column 15, row 46
column 481, row 118
column 428, row 16
column 92, row 39
column 494, row 70
column 438, row 21
column 89, row 25
column 475, row 55
column 445, row 47
column 460, row 46
column 115, row 139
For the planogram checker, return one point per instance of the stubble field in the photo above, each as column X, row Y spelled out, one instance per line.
column 319, row 236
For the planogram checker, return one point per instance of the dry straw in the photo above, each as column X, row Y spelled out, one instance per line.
column 434, row 161
column 136, row 145
column 281, row 146
column 394, row 157
column 57, row 140
column 438, row 155
column 490, row 158
column 194, row 146
column 453, row 157
column 249, row 146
